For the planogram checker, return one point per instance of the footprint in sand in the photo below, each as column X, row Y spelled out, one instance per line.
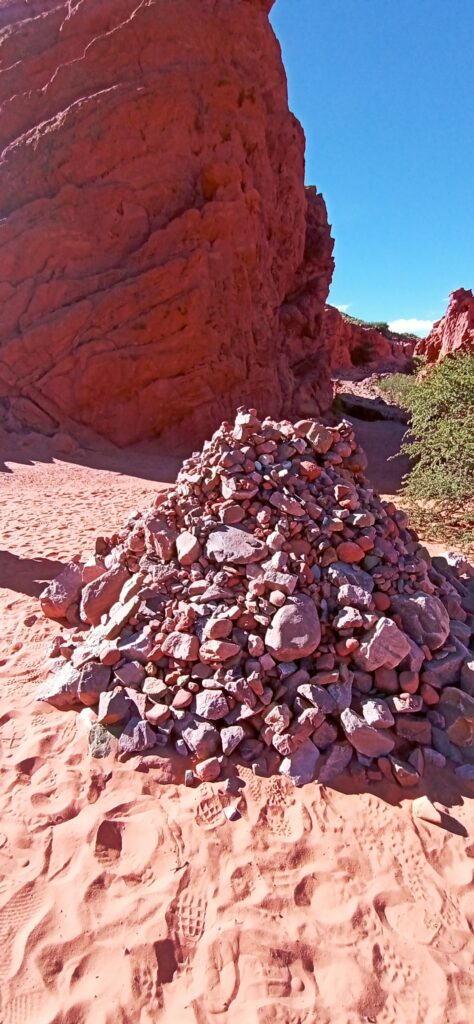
column 278, row 986
column 243, row 881
column 186, row 918
column 326, row 815
column 416, row 909
column 411, row 920
column 282, row 871
column 27, row 1007
column 466, row 906
column 44, row 732
column 394, row 972
column 209, row 811
column 146, row 986
column 190, row 916
column 283, row 815
column 18, row 917
column 54, row 803
column 10, row 735
column 336, row 900
column 402, row 976
column 128, row 845
column 453, row 936
column 108, row 844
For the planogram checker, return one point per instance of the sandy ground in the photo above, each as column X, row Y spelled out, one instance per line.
column 124, row 900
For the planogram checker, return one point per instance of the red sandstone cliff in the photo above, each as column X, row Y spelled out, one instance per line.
column 454, row 332
column 352, row 342
column 161, row 261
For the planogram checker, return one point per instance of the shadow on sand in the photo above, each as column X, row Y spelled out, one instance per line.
column 26, row 575
column 147, row 461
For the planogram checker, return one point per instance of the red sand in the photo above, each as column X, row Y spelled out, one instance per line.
column 122, row 900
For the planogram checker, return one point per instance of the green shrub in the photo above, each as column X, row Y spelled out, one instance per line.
column 440, row 444
column 441, row 435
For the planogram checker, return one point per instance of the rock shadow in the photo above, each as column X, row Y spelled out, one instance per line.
column 26, row 575
column 147, row 461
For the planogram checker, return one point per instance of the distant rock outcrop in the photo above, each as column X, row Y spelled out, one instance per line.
column 162, row 261
column 352, row 342
column 454, row 332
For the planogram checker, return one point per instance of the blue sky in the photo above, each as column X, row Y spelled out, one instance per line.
column 384, row 90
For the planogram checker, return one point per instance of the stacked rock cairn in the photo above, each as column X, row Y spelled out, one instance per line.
column 271, row 608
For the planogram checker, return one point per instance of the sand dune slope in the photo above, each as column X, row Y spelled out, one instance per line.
column 125, row 900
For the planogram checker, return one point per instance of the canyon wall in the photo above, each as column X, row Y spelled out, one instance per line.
column 454, row 333
column 351, row 342
column 162, row 262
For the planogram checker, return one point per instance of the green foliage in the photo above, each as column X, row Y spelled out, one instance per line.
column 441, row 437
column 380, row 325
column 398, row 388
column 440, row 440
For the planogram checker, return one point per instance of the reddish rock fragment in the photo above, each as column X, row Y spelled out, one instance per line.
column 94, row 680
column 136, row 737
column 295, row 631
column 181, row 646
column 62, row 592
column 99, row 595
column 208, row 770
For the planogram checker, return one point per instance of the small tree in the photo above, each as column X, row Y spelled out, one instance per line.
column 440, row 439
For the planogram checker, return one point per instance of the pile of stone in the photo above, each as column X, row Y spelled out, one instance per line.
column 271, row 607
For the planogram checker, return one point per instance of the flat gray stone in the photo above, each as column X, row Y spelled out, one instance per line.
column 231, row 736
column 137, row 736
column 341, row 573
column 94, row 680
column 211, row 705
column 202, row 738
column 233, row 545
column 61, row 688
column 100, row 742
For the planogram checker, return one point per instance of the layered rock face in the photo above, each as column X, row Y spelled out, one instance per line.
column 161, row 259
column 353, row 343
column 454, row 332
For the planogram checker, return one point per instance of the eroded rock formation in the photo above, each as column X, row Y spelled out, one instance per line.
column 352, row 342
column 454, row 332
column 161, row 260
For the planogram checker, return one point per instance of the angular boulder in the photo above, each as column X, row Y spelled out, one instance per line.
column 385, row 645
column 231, row 544
column 99, row 595
column 301, row 765
column 365, row 738
column 295, row 631
column 65, row 590
column 424, row 618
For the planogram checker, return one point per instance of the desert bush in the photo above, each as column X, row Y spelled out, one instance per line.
column 440, row 442
column 440, row 439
